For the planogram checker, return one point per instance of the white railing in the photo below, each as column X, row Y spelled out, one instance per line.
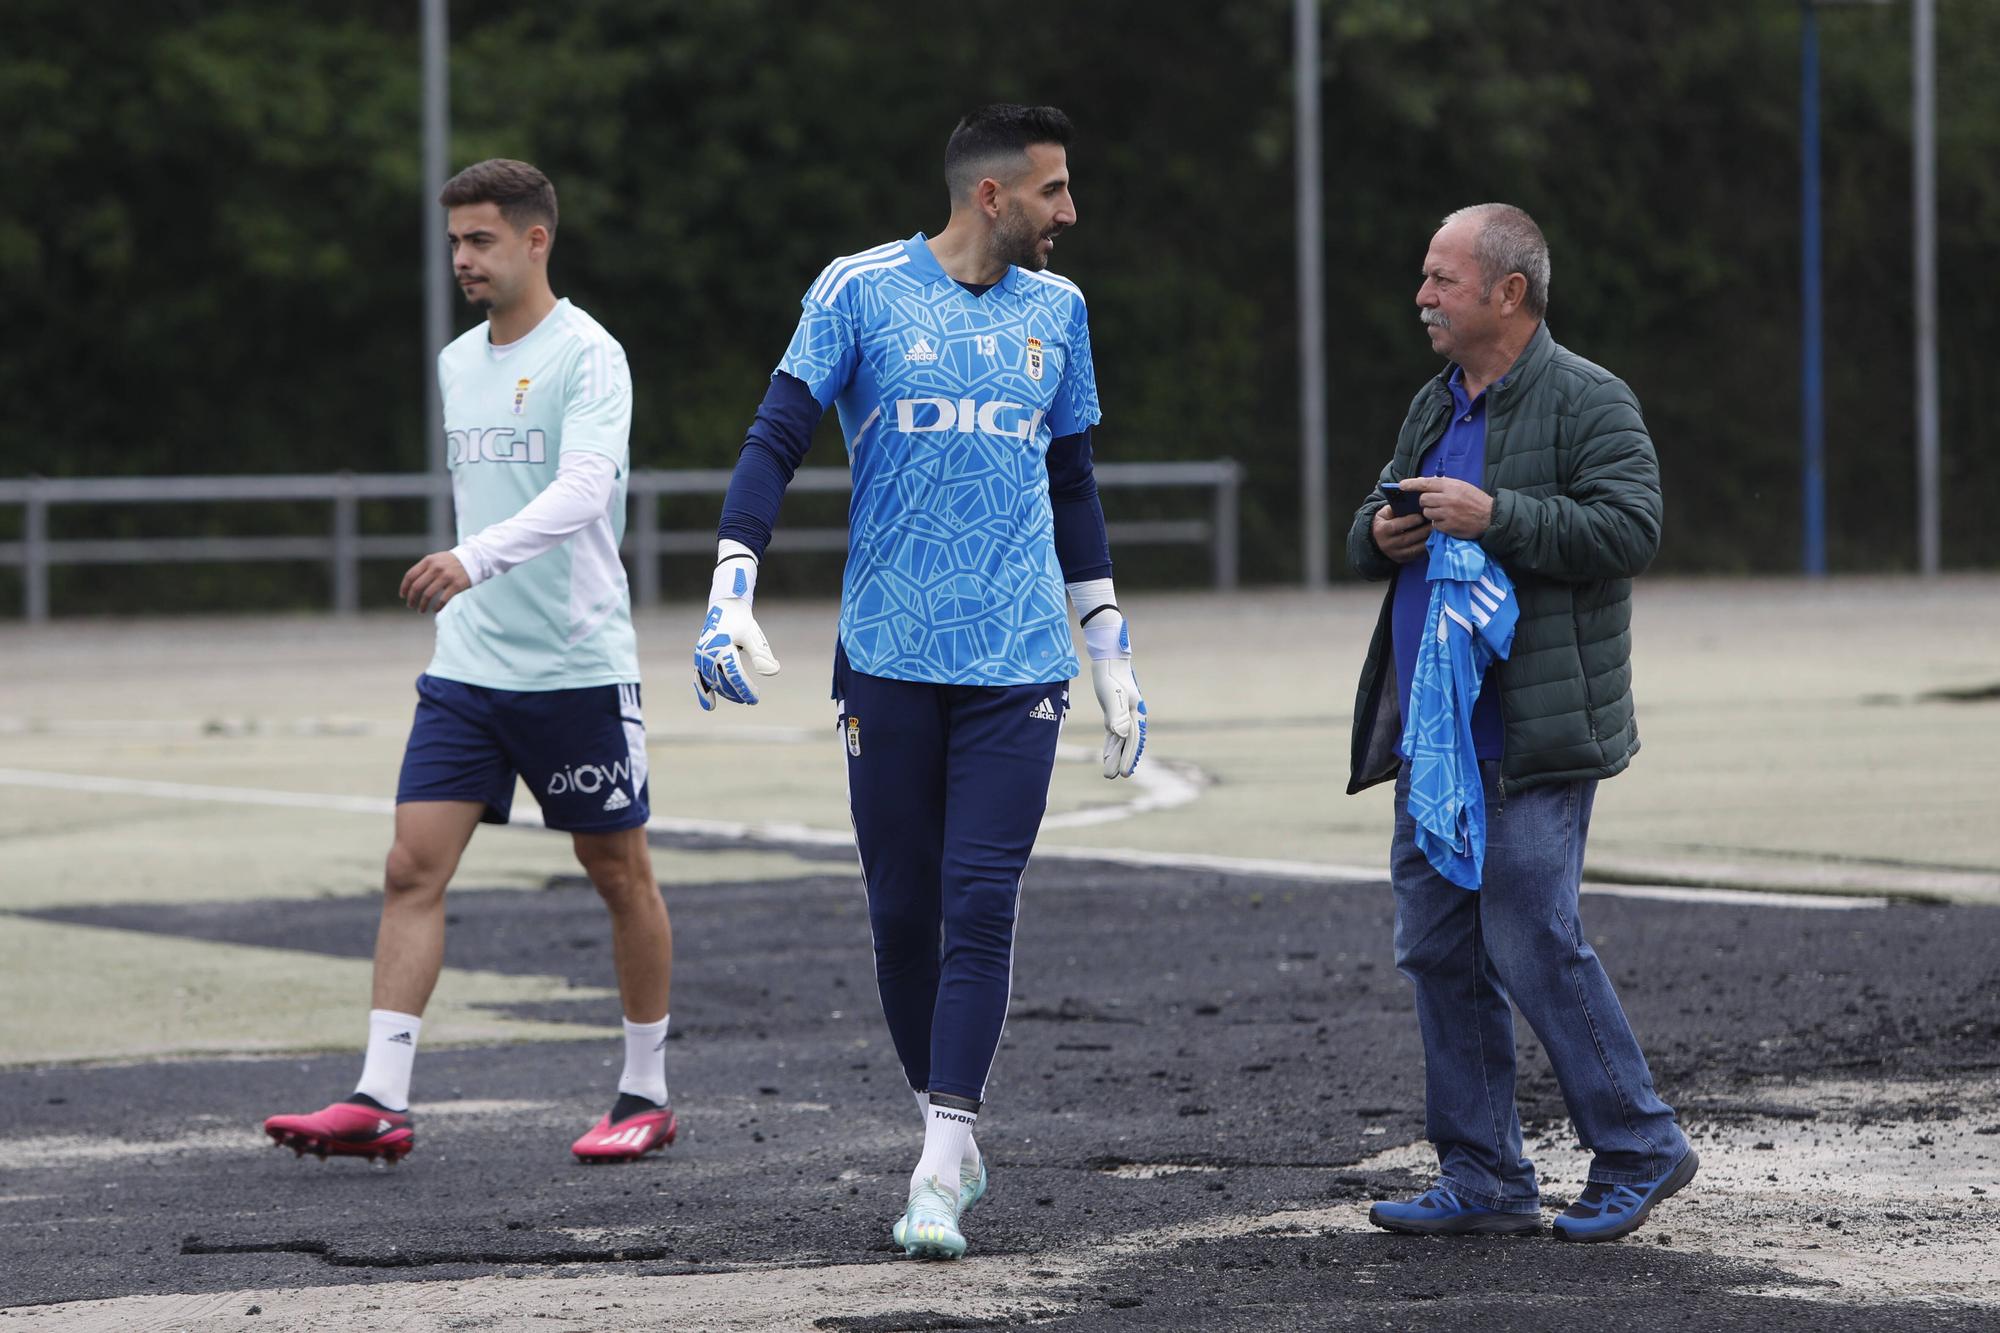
column 345, row 546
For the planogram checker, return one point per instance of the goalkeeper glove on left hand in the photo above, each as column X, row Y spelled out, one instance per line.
column 1110, row 645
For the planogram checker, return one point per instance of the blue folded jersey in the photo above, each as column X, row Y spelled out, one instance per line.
column 1469, row 623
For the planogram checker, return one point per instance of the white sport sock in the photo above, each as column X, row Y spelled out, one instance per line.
column 971, row 1145
column 392, row 1050
column 946, row 1133
column 645, row 1061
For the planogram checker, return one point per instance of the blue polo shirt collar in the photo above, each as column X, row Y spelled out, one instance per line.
column 1462, row 405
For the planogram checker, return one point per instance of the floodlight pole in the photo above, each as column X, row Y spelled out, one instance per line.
column 1812, row 399
column 1312, row 293
column 1923, row 189
column 437, row 313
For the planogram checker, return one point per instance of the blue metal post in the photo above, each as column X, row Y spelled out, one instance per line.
column 1811, row 378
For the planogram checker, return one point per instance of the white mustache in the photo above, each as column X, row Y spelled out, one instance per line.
column 1435, row 318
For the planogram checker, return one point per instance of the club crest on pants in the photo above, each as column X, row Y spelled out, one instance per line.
column 854, row 736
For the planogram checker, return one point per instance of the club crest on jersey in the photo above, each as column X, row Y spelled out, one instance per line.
column 854, row 736
column 1034, row 358
column 521, row 395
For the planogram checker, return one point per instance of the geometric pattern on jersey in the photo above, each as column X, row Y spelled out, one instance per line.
column 1470, row 623
column 948, row 402
column 562, row 620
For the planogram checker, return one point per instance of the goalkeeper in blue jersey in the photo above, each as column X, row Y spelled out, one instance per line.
column 961, row 370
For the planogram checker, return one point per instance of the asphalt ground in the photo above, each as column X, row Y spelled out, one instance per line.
column 1204, row 1080
column 1211, row 1064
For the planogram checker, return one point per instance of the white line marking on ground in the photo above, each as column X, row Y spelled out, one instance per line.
column 1168, row 785
column 1674, row 893
column 188, row 791
column 1161, row 786
column 472, row 1106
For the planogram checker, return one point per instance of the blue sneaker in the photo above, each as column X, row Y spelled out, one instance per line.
column 1439, row 1212
column 1606, row 1212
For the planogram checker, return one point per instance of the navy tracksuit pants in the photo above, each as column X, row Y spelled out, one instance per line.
column 947, row 784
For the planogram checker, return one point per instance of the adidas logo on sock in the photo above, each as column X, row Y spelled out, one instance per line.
column 401, row 1039
column 1043, row 711
column 618, row 800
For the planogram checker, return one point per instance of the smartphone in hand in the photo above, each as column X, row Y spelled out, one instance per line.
column 1401, row 503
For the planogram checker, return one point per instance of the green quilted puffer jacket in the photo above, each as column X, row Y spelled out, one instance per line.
column 1576, row 513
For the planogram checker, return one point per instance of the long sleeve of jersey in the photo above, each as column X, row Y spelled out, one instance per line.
column 1082, row 546
column 1469, row 624
column 772, row 451
column 586, row 484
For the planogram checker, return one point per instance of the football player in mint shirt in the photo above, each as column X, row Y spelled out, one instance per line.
column 961, row 371
column 535, row 675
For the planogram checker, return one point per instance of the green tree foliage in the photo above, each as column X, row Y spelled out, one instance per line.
column 210, row 234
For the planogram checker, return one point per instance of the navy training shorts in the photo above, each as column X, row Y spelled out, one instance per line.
column 581, row 752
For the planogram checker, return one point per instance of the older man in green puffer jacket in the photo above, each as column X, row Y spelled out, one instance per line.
column 1543, row 459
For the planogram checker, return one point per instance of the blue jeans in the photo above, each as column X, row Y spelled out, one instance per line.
column 1519, row 938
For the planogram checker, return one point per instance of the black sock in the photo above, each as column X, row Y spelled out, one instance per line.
column 631, row 1104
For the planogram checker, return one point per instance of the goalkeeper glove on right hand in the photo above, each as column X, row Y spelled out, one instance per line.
column 730, row 637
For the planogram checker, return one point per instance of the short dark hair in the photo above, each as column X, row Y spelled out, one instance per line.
column 1000, row 130
column 523, row 193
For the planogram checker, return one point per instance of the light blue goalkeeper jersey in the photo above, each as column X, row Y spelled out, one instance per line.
column 1470, row 623
column 562, row 620
column 948, row 402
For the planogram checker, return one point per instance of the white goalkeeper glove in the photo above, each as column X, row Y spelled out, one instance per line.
column 729, row 638
column 1110, row 645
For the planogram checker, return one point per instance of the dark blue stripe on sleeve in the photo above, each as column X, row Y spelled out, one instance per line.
column 771, row 453
column 1082, row 546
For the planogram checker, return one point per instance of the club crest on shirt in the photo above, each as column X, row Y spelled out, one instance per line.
column 1034, row 358
column 521, row 395
column 854, row 736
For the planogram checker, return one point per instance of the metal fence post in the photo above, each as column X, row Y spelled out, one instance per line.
column 646, row 544
column 346, row 546
column 35, row 553
column 1227, row 536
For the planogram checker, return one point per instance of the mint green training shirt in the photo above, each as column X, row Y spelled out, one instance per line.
column 562, row 620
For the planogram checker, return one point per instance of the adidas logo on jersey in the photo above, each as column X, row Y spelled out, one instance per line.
column 921, row 351
column 1043, row 711
column 617, row 800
